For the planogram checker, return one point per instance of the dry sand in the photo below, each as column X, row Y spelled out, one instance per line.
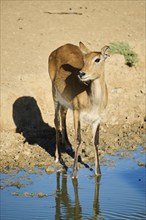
column 30, row 31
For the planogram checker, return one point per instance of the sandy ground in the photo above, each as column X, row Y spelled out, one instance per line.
column 30, row 31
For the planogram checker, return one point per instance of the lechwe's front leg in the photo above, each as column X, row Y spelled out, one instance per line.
column 95, row 128
column 77, row 142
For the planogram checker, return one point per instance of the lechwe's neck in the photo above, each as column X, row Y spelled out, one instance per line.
column 98, row 92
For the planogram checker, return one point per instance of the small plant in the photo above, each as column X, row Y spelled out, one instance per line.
column 124, row 49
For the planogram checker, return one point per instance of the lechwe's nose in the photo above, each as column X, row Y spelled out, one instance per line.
column 81, row 74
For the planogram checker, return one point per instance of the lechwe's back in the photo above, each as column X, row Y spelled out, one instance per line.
column 78, row 83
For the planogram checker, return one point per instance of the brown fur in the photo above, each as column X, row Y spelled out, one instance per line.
column 78, row 83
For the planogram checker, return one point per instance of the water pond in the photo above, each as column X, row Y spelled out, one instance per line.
column 119, row 194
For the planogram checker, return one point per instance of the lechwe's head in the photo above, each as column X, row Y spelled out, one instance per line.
column 93, row 63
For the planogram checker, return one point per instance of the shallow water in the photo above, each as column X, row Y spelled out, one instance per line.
column 119, row 194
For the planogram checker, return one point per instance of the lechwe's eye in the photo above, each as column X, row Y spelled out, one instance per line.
column 97, row 60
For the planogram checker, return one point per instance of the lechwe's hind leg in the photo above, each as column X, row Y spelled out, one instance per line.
column 57, row 126
column 96, row 144
column 65, row 140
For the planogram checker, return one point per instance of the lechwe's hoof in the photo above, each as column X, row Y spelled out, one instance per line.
column 74, row 177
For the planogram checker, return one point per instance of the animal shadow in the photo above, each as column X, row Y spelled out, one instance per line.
column 29, row 122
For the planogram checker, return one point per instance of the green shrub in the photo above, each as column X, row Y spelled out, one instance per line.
column 124, row 49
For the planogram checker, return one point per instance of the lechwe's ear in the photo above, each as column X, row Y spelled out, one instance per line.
column 105, row 51
column 83, row 48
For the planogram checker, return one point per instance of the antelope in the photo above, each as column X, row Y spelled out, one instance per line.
column 78, row 83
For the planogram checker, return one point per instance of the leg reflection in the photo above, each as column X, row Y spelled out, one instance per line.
column 66, row 208
column 58, row 198
column 96, row 198
column 78, row 208
column 67, row 205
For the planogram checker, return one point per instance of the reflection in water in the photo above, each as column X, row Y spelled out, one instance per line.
column 122, row 194
column 96, row 198
column 65, row 207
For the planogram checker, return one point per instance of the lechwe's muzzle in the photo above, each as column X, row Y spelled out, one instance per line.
column 81, row 74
